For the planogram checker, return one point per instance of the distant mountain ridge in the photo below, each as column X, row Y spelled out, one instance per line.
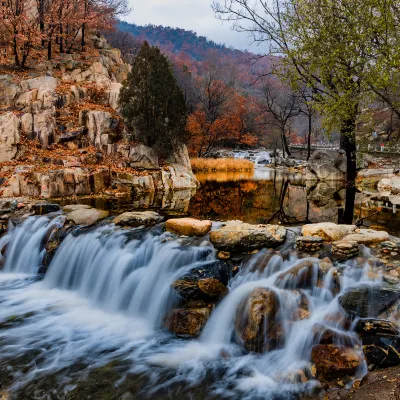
column 177, row 40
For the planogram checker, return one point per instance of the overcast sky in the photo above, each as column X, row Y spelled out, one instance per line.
column 195, row 15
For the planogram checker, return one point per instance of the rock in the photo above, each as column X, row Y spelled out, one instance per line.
column 367, row 236
column 305, row 274
column 8, row 89
column 138, row 218
column 327, row 335
column 309, row 244
column 73, row 207
column 45, row 208
column 325, row 264
column 326, row 165
column 334, row 361
column 44, row 127
column 224, row 255
column 329, row 231
column 188, row 226
column 98, row 124
column 207, row 282
column 86, row 216
column 113, row 97
column 237, row 236
column 141, row 156
column 344, row 249
column 43, row 84
column 369, row 300
column 256, row 324
column 9, row 136
column 381, row 342
column 390, row 185
column 188, row 321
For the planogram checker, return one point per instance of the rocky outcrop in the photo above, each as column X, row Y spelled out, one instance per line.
column 309, row 244
column 326, row 165
column 329, row 231
column 369, row 300
column 9, row 136
column 345, row 249
column 188, row 226
column 237, row 236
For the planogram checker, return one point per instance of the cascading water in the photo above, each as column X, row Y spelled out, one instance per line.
column 25, row 243
column 107, row 292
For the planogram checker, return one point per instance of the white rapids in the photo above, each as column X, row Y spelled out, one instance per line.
column 105, row 297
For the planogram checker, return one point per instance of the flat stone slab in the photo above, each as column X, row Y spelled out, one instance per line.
column 367, row 236
column 87, row 216
column 239, row 236
column 188, row 226
column 73, row 207
column 329, row 231
column 138, row 218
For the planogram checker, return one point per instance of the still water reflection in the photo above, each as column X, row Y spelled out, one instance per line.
column 273, row 196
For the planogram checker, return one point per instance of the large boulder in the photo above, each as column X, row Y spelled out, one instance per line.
column 9, row 90
column 304, row 275
column 188, row 321
column 141, row 156
column 43, row 85
column 369, row 300
column 367, row 236
column 45, row 127
column 188, row 226
column 256, row 324
column 138, row 218
column 87, row 216
column 113, row 97
column 334, row 361
column 237, row 236
column 207, row 282
column 9, row 136
column 327, row 165
column 329, row 231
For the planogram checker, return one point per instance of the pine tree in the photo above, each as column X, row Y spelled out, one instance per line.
column 152, row 103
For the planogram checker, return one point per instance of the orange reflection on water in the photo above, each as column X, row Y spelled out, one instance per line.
column 228, row 176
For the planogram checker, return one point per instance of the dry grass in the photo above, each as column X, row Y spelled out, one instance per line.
column 221, row 164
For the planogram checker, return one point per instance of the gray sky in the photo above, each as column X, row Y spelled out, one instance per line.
column 195, row 15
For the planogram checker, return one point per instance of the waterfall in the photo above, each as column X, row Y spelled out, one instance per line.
column 24, row 243
column 122, row 275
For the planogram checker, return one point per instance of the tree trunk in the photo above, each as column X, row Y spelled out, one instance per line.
column 346, row 217
column 49, row 49
column 83, row 37
column 348, row 144
column 61, row 40
column 285, row 146
column 15, row 49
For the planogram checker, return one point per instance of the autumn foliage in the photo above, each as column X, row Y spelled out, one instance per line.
column 221, row 164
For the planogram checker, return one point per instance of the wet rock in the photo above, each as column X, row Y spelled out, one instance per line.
column 45, row 208
column 188, row 226
column 309, row 244
column 138, row 218
column 390, row 249
column 334, row 361
column 236, row 236
column 345, row 249
column 224, row 255
column 327, row 165
column 256, row 323
column 381, row 327
column 329, row 231
column 188, row 321
column 304, row 275
column 207, row 282
column 369, row 300
column 367, row 236
column 327, row 335
column 87, row 216
column 325, row 264
column 73, row 207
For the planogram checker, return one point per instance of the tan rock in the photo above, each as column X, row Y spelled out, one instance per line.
column 189, row 321
column 73, row 207
column 188, row 226
column 367, row 236
column 329, row 231
column 138, row 218
column 9, row 136
column 239, row 236
column 87, row 216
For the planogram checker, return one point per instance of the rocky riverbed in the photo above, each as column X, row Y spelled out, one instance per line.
column 135, row 304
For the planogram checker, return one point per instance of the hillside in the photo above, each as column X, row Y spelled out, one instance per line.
column 177, row 40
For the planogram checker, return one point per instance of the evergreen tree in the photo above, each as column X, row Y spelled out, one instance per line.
column 152, row 103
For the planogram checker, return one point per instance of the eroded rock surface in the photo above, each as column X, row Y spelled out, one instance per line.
column 188, row 226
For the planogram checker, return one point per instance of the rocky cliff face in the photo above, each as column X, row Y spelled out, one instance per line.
column 61, row 134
